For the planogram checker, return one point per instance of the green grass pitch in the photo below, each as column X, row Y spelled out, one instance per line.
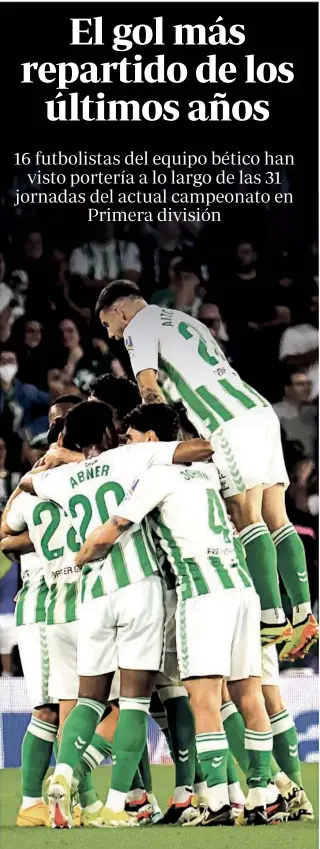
column 287, row 835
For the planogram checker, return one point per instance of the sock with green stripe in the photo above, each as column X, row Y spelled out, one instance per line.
column 182, row 734
column 98, row 751
column 259, row 747
column 87, row 794
column 235, row 730
column 212, row 750
column 285, row 745
column 36, row 754
column 128, row 746
column 262, row 565
column 77, row 733
column 292, row 567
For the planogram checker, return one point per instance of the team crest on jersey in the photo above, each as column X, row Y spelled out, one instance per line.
column 129, row 344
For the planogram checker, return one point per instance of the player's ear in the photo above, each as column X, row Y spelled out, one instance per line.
column 151, row 436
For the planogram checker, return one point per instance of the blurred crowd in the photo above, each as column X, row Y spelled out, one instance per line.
column 259, row 301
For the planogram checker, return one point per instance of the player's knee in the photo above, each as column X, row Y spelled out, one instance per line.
column 273, row 700
column 243, row 512
column 47, row 713
column 251, row 704
column 204, row 697
column 136, row 683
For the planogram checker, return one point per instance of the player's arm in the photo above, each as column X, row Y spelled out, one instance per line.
column 16, row 544
column 101, row 540
column 193, row 451
column 59, row 457
column 48, row 484
column 4, row 526
column 145, row 493
column 149, row 388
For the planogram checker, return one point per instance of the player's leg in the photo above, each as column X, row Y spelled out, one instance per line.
column 242, row 453
column 245, row 510
column 245, row 689
column 202, row 668
column 139, row 615
column 97, row 662
column 286, row 770
column 41, row 733
column 64, row 682
column 293, row 570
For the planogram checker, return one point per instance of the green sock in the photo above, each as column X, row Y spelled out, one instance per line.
column 198, row 775
column 262, row 565
column 87, row 793
column 274, row 767
column 182, row 735
column 129, row 742
column 292, row 567
column 232, row 774
column 145, row 771
column 235, row 730
column 137, row 783
column 78, row 731
column 36, row 754
column 259, row 747
column 212, row 750
column 98, row 750
column 285, row 745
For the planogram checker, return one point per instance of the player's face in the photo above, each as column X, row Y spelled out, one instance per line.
column 113, row 321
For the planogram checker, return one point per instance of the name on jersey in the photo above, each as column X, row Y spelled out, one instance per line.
column 89, row 474
column 166, row 318
column 191, row 474
column 68, row 570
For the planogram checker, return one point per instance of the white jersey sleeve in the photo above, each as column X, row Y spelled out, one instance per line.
column 141, row 339
column 51, row 485
column 15, row 517
column 146, row 492
column 146, row 454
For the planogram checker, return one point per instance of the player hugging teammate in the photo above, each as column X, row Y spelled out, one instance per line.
column 150, row 584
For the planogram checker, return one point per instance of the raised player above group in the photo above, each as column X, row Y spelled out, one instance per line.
column 145, row 568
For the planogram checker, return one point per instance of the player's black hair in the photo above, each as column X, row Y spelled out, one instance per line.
column 87, row 423
column 114, row 291
column 68, row 398
column 55, row 429
column 160, row 418
column 122, row 394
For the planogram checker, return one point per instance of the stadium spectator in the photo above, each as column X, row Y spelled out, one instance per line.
column 299, row 344
column 22, row 406
column 298, row 418
column 98, row 261
column 81, row 361
column 8, row 481
column 209, row 314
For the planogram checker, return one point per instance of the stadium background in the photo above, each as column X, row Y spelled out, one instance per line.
column 252, row 279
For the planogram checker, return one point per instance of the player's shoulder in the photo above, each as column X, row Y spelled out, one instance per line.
column 150, row 314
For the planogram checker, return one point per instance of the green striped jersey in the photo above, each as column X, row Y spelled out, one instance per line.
column 195, row 368
column 55, row 544
column 192, row 525
column 90, row 492
column 31, row 599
